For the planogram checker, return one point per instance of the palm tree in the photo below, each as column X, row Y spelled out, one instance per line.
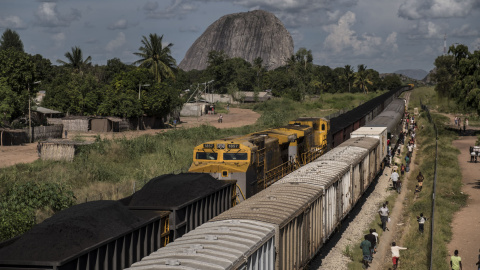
column 156, row 57
column 349, row 75
column 362, row 79
column 75, row 59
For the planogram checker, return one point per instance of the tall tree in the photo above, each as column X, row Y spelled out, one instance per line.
column 459, row 52
column 156, row 57
column 444, row 75
column 75, row 59
column 10, row 39
column 19, row 71
column 349, row 75
column 362, row 78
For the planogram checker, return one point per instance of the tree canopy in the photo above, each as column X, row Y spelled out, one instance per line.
column 75, row 59
column 156, row 57
column 11, row 40
column 458, row 77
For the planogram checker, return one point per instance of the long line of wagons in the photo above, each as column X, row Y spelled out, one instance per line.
column 280, row 227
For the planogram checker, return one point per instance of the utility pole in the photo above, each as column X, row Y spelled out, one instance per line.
column 30, row 112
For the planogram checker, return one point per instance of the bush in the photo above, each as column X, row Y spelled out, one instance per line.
column 18, row 205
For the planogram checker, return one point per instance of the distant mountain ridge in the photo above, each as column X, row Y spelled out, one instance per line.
column 417, row 74
column 247, row 35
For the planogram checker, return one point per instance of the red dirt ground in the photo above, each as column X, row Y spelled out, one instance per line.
column 11, row 155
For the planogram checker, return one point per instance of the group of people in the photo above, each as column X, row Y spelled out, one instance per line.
column 369, row 245
column 458, row 122
column 474, row 153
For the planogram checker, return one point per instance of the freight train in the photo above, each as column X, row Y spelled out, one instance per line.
column 172, row 205
column 284, row 226
column 259, row 159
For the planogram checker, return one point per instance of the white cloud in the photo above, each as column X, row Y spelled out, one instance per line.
column 13, row 22
column 464, row 31
column 120, row 24
column 298, row 13
column 424, row 29
column 293, row 5
column 177, row 8
column 391, row 41
column 341, row 37
column 116, row 43
column 48, row 15
column 432, row 9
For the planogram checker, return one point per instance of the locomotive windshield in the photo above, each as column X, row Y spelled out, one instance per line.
column 207, row 156
column 235, row 156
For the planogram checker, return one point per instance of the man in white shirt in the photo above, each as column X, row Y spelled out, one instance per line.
column 383, row 212
column 396, row 254
column 394, row 178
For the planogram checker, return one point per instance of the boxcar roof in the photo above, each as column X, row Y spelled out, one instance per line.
column 318, row 173
column 361, row 142
column 348, row 154
column 278, row 204
column 213, row 245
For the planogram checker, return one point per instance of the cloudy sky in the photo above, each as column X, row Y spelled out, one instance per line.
column 385, row 35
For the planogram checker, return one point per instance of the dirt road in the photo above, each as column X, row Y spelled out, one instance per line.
column 11, row 155
column 466, row 222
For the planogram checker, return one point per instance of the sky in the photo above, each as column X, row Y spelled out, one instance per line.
column 386, row 35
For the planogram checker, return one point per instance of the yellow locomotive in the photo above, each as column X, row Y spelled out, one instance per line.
column 258, row 159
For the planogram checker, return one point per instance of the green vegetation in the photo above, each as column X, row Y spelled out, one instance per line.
column 458, row 78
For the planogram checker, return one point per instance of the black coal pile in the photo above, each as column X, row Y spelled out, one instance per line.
column 71, row 231
column 170, row 191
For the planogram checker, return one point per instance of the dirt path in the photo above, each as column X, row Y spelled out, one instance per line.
column 466, row 222
column 383, row 258
column 11, row 155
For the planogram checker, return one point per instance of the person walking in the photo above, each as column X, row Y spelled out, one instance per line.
column 367, row 256
column 373, row 241
column 402, row 169
column 383, row 212
column 421, row 222
column 456, row 261
column 39, row 149
column 394, row 178
column 396, row 254
column 420, row 179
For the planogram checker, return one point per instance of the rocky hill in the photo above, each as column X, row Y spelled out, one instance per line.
column 247, row 35
column 417, row 74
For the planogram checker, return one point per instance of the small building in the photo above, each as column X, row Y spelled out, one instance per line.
column 44, row 114
column 57, row 149
column 195, row 109
column 249, row 97
column 108, row 124
column 76, row 123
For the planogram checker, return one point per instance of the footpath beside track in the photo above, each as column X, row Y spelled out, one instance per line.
column 332, row 256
